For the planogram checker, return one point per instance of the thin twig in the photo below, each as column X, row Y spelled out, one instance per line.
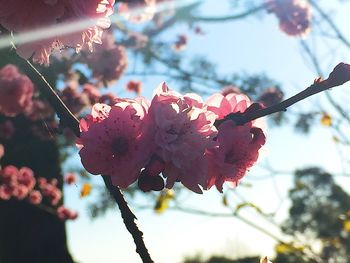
column 242, row 118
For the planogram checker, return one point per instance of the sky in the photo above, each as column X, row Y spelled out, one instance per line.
column 253, row 45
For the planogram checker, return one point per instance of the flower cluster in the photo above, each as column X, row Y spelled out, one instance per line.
column 171, row 139
column 294, row 15
column 44, row 14
column 21, row 184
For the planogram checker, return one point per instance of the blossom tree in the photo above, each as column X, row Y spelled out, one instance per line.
column 55, row 64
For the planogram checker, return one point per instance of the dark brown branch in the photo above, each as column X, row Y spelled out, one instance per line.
column 242, row 118
column 129, row 220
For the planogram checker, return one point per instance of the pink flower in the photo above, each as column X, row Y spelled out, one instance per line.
column 108, row 61
column 70, row 178
column 65, row 213
column 5, row 192
column 50, row 190
column 134, row 86
column 15, row 17
column 294, row 15
column 113, row 142
column 26, row 177
column 183, row 130
column 180, row 43
column 2, row 151
column 35, row 197
column 223, row 105
column 16, row 91
column 238, row 146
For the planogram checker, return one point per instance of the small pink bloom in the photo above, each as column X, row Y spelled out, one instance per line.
column 223, row 105
column 181, row 125
column 70, row 178
column 26, row 177
column 294, row 15
column 113, row 142
column 16, row 91
column 108, row 61
column 134, row 86
column 5, row 192
column 20, row 192
column 180, row 43
column 35, row 197
column 238, row 149
column 8, row 175
column 238, row 146
column 2, row 151
column 65, row 213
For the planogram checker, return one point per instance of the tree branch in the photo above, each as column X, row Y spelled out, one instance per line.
column 242, row 118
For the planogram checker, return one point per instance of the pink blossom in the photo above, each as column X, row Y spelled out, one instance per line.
column 16, row 91
column 238, row 146
column 35, row 197
column 180, row 125
column 2, row 151
column 15, row 17
column 109, row 61
column 26, row 177
column 134, row 86
column 65, row 213
column 50, row 190
column 113, row 142
column 70, row 178
column 5, row 192
column 294, row 15
column 223, row 105
column 180, row 43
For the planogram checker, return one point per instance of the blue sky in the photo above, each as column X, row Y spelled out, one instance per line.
column 253, row 45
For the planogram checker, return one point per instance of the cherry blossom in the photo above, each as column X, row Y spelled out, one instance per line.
column 15, row 17
column 238, row 145
column 108, row 61
column 16, row 91
column 294, row 15
column 182, row 132
column 113, row 142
